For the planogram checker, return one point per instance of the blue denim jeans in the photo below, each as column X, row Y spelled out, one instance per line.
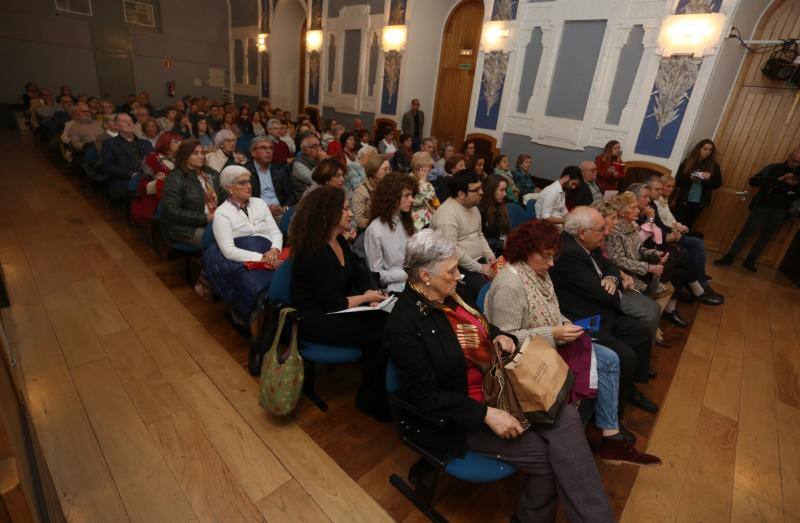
column 607, row 403
column 696, row 249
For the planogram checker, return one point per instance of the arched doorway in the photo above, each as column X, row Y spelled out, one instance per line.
column 286, row 78
column 462, row 34
column 755, row 131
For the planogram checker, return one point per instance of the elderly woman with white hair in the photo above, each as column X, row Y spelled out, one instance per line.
column 355, row 170
column 224, row 153
column 245, row 233
column 442, row 348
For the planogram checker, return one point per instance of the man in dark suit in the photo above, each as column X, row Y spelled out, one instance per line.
column 588, row 284
column 121, row 157
column 413, row 123
column 588, row 191
column 269, row 182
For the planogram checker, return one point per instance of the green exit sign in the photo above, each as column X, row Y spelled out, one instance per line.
column 465, row 67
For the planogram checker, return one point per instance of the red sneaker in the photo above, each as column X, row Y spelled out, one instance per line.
column 617, row 451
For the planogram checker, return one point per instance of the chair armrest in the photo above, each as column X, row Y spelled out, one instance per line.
column 402, row 404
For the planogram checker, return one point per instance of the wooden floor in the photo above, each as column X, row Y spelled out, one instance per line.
column 140, row 414
column 706, row 379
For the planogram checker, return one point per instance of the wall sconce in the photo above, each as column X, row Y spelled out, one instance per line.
column 262, row 42
column 394, row 38
column 690, row 34
column 314, row 40
column 494, row 36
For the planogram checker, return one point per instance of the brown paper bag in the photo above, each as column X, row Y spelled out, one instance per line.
column 541, row 380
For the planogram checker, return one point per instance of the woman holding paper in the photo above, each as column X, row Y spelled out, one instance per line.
column 698, row 175
column 610, row 168
column 327, row 278
column 522, row 301
column 442, row 348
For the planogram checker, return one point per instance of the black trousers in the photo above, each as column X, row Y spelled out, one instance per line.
column 763, row 221
column 471, row 285
column 631, row 340
column 688, row 212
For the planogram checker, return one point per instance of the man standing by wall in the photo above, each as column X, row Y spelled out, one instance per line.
column 413, row 123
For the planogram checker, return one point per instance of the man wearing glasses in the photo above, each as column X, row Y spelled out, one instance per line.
column 310, row 155
column 269, row 182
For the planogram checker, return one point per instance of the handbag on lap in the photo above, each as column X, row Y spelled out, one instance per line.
column 282, row 381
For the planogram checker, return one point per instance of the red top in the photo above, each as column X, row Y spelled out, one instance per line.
column 334, row 148
column 280, row 152
column 609, row 173
column 473, row 337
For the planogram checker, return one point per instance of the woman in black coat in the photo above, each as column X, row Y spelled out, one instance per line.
column 442, row 348
column 698, row 175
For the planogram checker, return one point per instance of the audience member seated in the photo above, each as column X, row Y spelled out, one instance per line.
column 191, row 195
column 348, row 153
column 229, row 124
column 256, row 124
column 109, row 125
column 428, row 145
column 468, row 150
column 327, row 172
column 41, row 109
column 202, row 131
column 587, row 284
column 610, row 168
column 122, row 156
column 501, row 168
column 140, row 115
column 447, row 152
column 327, row 278
column 551, row 205
column 150, row 131
column 459, row 221
column 692, row 247
column 494, row 214
column 224, row 152
column 522, row 302
column 387, row 145
column 169, row 120
column 377, row 167
column 356, row 172
column 442, row 374
column 698, row 176
column 478, row 164
column 401, row 161
column 363, row 138
column 588, row 192
column 155, row 168
column 244, row 231
column 456, row 163
column 281, row 155
column 425, row 201
column 84, row 129
column 310, row 155
column 391, row 226
column 334, row 145
column 288, row 139
column 269, row 182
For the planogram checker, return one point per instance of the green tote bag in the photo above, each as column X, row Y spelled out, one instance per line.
column 282, row 382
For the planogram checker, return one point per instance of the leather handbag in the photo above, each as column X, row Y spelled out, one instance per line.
column 282, row 378
column 497, row 391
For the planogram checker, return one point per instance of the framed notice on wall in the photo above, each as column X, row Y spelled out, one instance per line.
column 216, row 77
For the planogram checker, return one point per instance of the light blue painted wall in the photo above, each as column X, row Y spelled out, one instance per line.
column 530, row 69
column 350, row 61
column 548, row 162
column 629, row 60
column 347, row 119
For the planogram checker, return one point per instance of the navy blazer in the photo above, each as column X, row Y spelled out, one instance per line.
column 116, row 160
column 281, row 181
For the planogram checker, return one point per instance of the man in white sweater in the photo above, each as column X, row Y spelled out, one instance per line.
column 459, row 220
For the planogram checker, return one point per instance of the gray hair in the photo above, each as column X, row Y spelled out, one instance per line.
column 425, row 251
column 257, row 140
column 273, row 122
column 637, row 188
column 230, row 173
column 365, row 150
column 222, row 135
column 579, row 219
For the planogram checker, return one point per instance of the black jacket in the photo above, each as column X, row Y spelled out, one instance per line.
column 774, row 194
column 432, row 368
column 184, row 202
column 583, row 195
column 578, row 286
column 118, row 162
column 684, row 181
column 281, row 181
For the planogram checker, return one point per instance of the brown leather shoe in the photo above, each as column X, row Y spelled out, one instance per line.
column 618, row 451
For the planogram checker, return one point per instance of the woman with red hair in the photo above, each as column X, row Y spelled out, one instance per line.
column 155, row 168
column 523, row 302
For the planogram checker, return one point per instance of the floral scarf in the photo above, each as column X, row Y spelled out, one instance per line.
column 543, row 309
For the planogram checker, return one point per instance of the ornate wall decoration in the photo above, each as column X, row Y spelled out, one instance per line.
column 391, row 81
column 690, row 7
column 316, row 14
column 313, row 78
column 504, row 9
column 495, row 65
column 397, row 12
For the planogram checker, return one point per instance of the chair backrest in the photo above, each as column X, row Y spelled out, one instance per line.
column 392, row 378
column 159, row 214
column 208, row 237
column 530, row 209
column 516, row 215
column 286, row 220
column 481, row 300
column 280, row 287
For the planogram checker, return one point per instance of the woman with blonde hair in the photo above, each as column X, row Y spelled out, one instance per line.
column 425, row 201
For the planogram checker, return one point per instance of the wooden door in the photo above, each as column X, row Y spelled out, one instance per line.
column 460, row 43
column 756, row 130
column 301, row 99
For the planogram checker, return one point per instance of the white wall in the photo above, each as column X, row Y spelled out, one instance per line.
column 284, row 54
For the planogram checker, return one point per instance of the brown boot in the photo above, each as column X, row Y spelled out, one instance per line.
column 617, row 451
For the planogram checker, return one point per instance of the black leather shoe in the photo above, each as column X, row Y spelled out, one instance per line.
column 640, row 401
column 684, row 296
column 750, row 265
column 652, row 374
column 710, row 299
column 627, row 435
column 711, row 292
column 673, row 318
column 725, row 260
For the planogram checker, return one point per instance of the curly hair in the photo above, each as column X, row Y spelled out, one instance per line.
column 327, row 169
column 317, row 215
column 165, row 140
column 386, row 199
column 535, row 236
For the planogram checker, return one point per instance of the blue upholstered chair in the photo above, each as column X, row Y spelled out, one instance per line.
column 530, row 209
column 424, row 474
column 482, row 296
column 165, row 246
column 280, row 294
column 516, row 215
column 286, row 220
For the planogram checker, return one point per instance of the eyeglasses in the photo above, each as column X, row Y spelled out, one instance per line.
column 263, row 148
column 242, row 183
column 311, row 146
column 547, row 258
column 597, row 229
